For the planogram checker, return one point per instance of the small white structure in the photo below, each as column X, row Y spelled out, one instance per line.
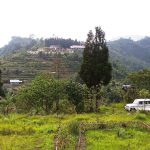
column 139, row 104
column 54, row 47
column 15, row 82
column 126, row 87
column 77, row 47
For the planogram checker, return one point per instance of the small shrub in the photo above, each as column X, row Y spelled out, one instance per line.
column 121, row 133
column 145, row 112
column 29, row 131
column 65, row 107
column 5, row 131
column 102, row 126
column 140, row 116
column 104, row 109
column 74, row 127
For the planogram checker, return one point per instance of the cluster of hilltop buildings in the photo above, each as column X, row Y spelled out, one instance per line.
column 53, row 49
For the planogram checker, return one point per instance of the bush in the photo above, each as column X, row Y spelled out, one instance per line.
column 74, row 127
column 66, row 107
column 104, row 109
column 121, row 133
column 140, row 116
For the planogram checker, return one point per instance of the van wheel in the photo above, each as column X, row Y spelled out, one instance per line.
column 133, row 109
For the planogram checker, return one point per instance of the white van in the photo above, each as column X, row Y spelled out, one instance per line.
column 139, row 104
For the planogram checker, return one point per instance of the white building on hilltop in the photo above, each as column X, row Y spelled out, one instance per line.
column 15, row 82
column 77, row 47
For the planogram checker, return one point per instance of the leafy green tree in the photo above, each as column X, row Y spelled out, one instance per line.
column 144, row 93
column 112, row 92
column 76, row 95
column 7, row 104
column 130, row 95
column 96, row 70
column 141, row 79
column 40, row 94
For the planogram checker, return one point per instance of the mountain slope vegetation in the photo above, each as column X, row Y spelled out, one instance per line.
column 134, row 55
column 126, row 55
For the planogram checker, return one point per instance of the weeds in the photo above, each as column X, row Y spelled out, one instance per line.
column 18, row 131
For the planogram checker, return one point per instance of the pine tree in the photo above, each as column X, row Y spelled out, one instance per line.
column 96, row 70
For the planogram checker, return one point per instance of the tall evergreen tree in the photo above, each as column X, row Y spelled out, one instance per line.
column 96, row 70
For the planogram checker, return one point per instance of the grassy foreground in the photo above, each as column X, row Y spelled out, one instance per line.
column 119, row 139
column 25, row 132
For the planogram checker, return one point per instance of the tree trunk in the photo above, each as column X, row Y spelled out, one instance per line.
column 57, row 105
column 46, row 107
column 91, row 101
column 97, row 98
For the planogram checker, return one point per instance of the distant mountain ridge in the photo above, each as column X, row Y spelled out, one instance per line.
column 133, row 55
column 20, row 43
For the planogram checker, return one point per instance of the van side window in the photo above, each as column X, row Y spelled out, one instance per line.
column 146, row 102
column 140, row 102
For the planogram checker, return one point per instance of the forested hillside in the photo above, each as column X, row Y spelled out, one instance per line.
column 125, row 54
column 20, row 43
column 134, row 55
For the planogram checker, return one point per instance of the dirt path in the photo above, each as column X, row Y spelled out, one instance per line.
column 81, row 145
column 56, row 140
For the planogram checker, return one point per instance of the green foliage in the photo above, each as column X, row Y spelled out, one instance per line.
column 144, row 93
column 76, row 94
column 141, row 79
column 104, row 109
column 132, row 55
column 64, row 43
column 7, row 105
column 19, row 43
column 119, row 71
column 112, row 92
column 95, row 68
column 73, row 127
column 25, row 66
column 121, row 133
column 50, row 95
column 120, row 139
column 27, row 132
column 140, row 116
column 33, row 132
column 130, row 95
column 66, row 107
column 41, row 94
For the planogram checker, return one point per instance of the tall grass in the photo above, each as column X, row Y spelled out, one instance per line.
column 121, row 139
column 18, row 131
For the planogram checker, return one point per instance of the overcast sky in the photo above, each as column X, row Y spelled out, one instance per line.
column 73, row 18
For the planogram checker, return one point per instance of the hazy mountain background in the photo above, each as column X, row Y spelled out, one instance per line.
column 126, row 55
column 134, row 55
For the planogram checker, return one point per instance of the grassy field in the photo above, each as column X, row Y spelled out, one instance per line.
column 18, row 131
column 27, row 132
column 118, row 139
